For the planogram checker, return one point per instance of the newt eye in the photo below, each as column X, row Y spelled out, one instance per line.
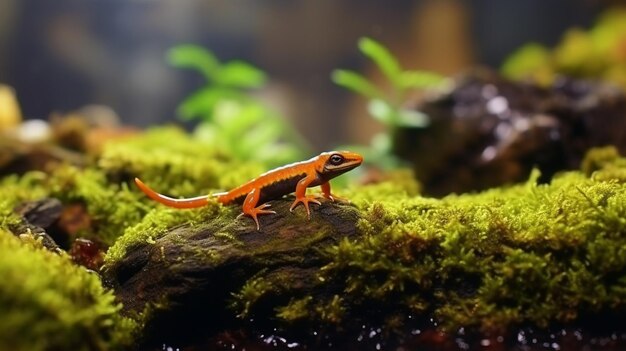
column 336, row 160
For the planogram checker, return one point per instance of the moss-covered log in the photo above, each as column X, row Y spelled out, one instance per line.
column 524, row 255
column 186, row 276
column 529, row 254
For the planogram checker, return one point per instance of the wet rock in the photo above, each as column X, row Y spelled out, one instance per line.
column 187, row 277
column 41, row 213
column 37, row 216
column 489, row 131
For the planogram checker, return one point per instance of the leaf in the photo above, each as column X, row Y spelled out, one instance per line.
column 194, row 57
column 237, row 121
column 279, row 154
column 412, row 119
column 201, row 104
column 526, row 60
column 381, row 142
column 239, row 74
column 207, row 132
column 421, row 80
column 355, row 82
column 259, row 137
column 382, row 57
column 382, row 111
column 391, row 116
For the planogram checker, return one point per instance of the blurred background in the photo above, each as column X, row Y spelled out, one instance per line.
column 64, row 54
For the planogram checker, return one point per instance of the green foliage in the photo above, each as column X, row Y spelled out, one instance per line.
column 232, row 118
column 527, row 254
column 596, row 53
column 48, row 303
column 233, row 74
column 388, row 108
column 531, row 59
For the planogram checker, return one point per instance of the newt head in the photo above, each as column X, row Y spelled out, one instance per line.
column 334, row 163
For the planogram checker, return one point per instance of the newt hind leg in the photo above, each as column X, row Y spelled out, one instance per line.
column 251, row 209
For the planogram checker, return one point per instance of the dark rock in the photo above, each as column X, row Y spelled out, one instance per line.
column 187, row 278
column 489, row 131
column 37, row 217
column 41, row 213
column 36, row 233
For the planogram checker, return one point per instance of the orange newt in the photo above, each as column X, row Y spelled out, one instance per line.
column 274, row 184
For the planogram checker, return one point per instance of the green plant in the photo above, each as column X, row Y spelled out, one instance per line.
column 387, row 107
column 231, row 117
column 595, row 53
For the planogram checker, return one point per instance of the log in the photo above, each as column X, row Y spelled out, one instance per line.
column 187, row 277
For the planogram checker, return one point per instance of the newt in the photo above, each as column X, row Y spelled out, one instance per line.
column 274, row 184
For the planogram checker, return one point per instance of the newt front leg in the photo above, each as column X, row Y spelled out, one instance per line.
column 327, row 194
column 302, row 197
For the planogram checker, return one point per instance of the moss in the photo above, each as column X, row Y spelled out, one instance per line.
column 111, row 206
column 250, row 293
column 508, row 256
column 605, row 164
column 178, row 167
column 156, row 222
column 170, row 161
column 522, row 254
column 48, row 303
column 15, row 190
column 594, row 53
column 296, row 309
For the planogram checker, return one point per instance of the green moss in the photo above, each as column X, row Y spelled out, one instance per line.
column 165, row 158
column 111, row 206
column 48, row 303
column 15, row 190
column 250, row 293
column 524, row 254
column 605, row 164
column 594, row 53
column 170, row 161
column 296, row 309
column 156, row 222
column 8, row 218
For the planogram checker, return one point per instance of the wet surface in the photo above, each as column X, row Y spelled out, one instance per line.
column 431, row 339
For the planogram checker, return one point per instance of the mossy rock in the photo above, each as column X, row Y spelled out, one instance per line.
column 530, row 254
column 185, row 276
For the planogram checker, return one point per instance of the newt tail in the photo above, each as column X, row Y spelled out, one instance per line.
column 193, row 202
column 295, row 177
